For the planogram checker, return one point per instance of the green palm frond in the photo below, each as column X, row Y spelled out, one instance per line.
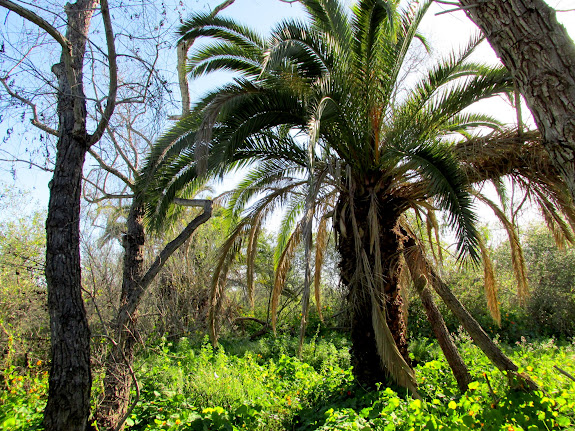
column 225, row 57
column 225, row 29
column 443, row 181
column 331, row 19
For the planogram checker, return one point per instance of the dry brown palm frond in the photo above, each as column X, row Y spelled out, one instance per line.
column 227, row 253
column 308, row 244
column 490, row 284
column 251, row 253
column 557, row 226
column 432, row 223
column 217, row 290
column 283, row 267
column 387, row 350
column 416, row 266
column 404, row 280
column 321, row 241
column 517, row 258
column 557, row 211
column 505, row 153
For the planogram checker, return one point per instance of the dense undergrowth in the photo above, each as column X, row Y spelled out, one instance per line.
column 261, row 385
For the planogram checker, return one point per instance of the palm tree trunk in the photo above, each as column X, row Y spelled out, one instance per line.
column 366, row 361
column 540, row 54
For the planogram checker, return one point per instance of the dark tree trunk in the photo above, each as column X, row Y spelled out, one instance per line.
column 448, row 347
column 366, row 362
column 119, row 373
column 70, row 380
column 118, row 379
column 540, row 54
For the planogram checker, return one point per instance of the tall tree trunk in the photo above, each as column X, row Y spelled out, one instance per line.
column 367, row 364
column 118, row 378
column 540, row 54
column 70, row 380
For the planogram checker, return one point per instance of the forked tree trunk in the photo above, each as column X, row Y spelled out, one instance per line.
column 538, row 51
column 367, row 364
column 118, row 379
column 70, row 379
column 119, row 372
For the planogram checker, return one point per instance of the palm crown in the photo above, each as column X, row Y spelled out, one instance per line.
column 321, row 115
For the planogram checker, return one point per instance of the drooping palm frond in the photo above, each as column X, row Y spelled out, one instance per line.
column 251, row 252
column 208, row 25
column 282, row 269
column 490, row 283
column 517, row 257
column 322, row 237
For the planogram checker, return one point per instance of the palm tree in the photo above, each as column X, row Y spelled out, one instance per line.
column 322, row 116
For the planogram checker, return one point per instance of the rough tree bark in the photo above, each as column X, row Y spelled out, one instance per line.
column 367, row 364
column 68, row 406
column 481, row 339
column 70, row 381
column 538, row 51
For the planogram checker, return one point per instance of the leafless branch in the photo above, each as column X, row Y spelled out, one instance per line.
column 107, row 197
column 173, row 245
column 565, row 373
column 112, row 136
column 48, row 28
column 28, row 162
column 113, row 71
column 42, row 23
column 193, row 202
column 35, row 121
column 110, row 169
column 104, row 194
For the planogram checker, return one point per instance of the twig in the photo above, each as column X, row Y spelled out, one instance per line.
column 565, row 373
column 113, row 72
column 35, row 121
column 471, row 6
column 491, row 391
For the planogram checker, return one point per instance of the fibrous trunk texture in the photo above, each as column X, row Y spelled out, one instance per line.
column 367, row 364
column 540, row 55
column 68, row 406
